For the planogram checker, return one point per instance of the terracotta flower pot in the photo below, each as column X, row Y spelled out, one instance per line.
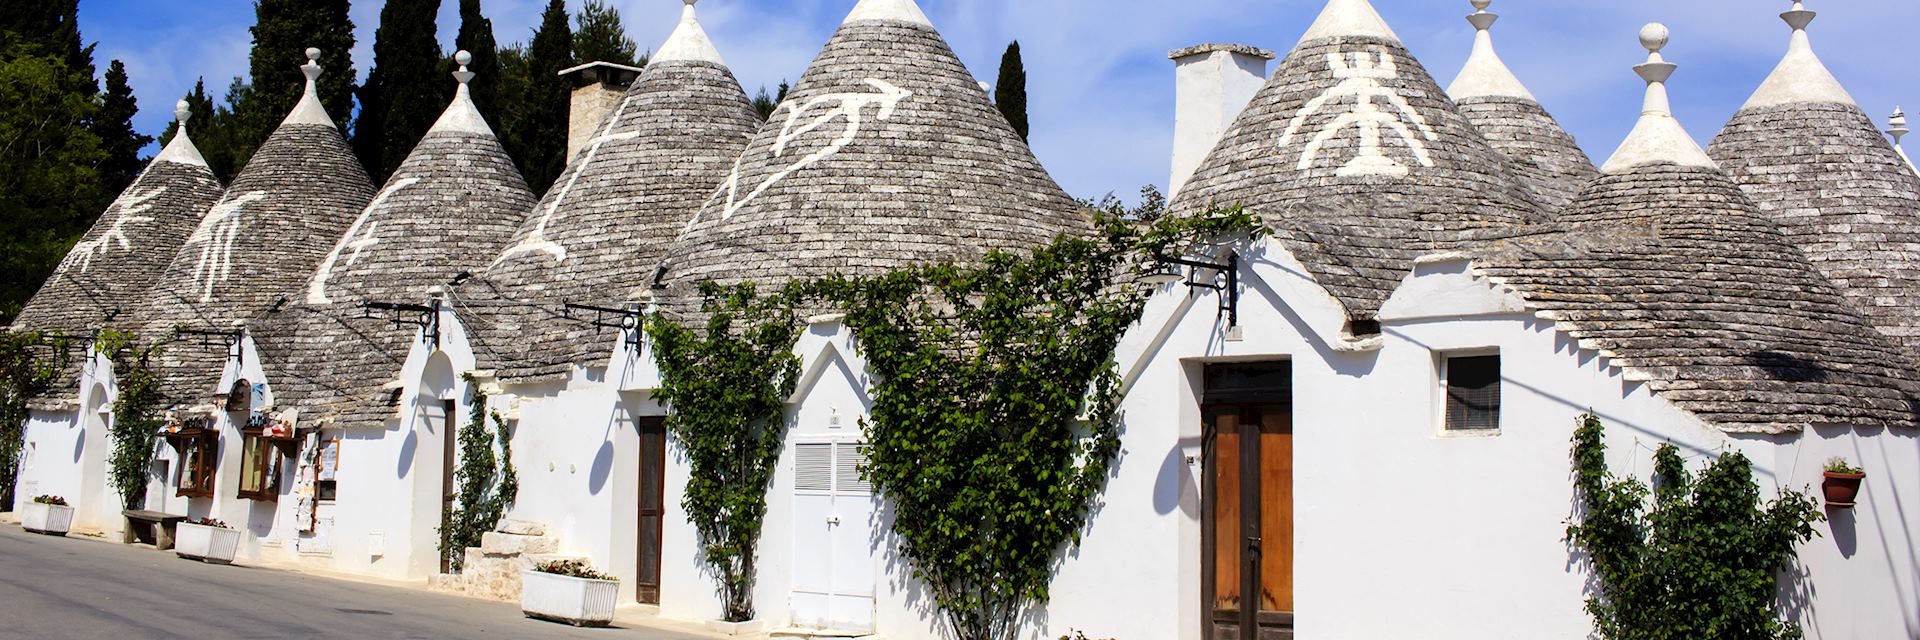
column 1842, row 488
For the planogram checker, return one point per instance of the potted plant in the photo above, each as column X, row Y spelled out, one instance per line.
column 1842, row 484
column 207, row 540
column 49, row 515
column 569, row 591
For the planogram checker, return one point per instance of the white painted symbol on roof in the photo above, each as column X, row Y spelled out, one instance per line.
column 317, row 291
column 131, row 206
column 537, row 242
column 852, row 106
column 1361, row 73
column 216, row 235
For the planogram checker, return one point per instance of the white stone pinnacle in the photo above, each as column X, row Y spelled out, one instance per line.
column 180, row 149
column 906, row 11
column 1800, row 78
column 689, row 42
column 1657, row 138
column 309, row 110
column 462, row 116
column 1486, row 75
column 1897, row 127
column 1349, row 18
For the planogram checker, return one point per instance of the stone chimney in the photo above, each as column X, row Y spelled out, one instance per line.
column 597, row 87
column 1214, row 83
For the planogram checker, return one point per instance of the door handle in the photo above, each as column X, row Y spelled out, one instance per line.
column 1253, row 544
column 833, row 520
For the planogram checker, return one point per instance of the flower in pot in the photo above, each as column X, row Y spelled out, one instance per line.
column 207, row 540
column 569, row 591
column 1842, row 483
column 50, row 515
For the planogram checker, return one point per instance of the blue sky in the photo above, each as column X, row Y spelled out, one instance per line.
column 1101, row 88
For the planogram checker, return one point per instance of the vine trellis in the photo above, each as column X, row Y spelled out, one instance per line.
column 27, row 375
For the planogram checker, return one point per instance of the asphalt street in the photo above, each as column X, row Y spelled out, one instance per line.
column 56, row 588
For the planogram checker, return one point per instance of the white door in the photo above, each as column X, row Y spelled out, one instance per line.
column 833, row 541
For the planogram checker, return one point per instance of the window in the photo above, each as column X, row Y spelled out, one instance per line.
column 200, row 457
column 1473, row 392
column 259, row 467
column 326, row 478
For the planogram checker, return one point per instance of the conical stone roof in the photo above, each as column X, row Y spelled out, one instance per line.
column 1664, row 267
column 886, row 154
column 454, row 201
column 1358, row 161
column 103, row 282
column 597, row 235
column 102, row 279
column 1544, row 156
column 257, row 246
column 1814, row 161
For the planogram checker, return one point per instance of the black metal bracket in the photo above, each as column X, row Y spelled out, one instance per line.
column 1229, row 292
column 424, row 316
column 628, row 319
column 231, row 339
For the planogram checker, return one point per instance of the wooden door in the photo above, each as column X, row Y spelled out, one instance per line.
column 1248, row 530
column 653, row 507
column 449, row 461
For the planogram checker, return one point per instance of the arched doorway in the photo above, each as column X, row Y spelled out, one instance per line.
column 94, row 449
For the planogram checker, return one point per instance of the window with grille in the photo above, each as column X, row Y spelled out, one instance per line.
column 259, row 467
column 1473, row 392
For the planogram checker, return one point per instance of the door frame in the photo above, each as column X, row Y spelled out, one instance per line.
column 449, row 462
column 1249, row 403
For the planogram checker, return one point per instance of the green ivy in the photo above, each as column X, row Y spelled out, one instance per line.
column 727, row 388
column 27, row 375
column 487, row 481
column 996, row 417
column 136, row 413
column 1701, row 559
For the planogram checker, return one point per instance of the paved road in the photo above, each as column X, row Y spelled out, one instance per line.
column 56, row 588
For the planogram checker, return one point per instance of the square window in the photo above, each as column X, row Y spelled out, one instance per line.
column 1473, row 392
column 200, row 458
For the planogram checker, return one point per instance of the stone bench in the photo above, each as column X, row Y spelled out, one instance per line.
column 150, row 527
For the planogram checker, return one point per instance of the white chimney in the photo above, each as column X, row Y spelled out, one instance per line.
column 1214, row 83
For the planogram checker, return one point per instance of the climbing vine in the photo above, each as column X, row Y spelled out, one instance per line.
column 996, row 416
column 27, row 374
column 136, row 413
column 727, row 386
column 487, row 481
column 1701, row 559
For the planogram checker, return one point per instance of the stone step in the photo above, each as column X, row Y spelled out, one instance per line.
column 494, row 543
column 522, row 528
column 797, row 633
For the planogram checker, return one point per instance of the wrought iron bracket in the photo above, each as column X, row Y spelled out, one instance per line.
column 629, row 319
column 1229, row 291
column 424, row 316
column 231, row 339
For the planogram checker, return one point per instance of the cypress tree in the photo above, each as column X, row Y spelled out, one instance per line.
column 50, row 187
column 404, row 91
column 540, row 133
column 602, row 38
column 282, row 33
column 1010, row 94
column 476, row 38
column 113, row 124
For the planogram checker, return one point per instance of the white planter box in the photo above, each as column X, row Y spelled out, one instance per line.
column 53, row 520
column 750, row 628
column 206, row 544
column 576, row 601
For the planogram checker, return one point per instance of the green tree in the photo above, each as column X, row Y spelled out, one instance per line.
column 536, row 129
column 405, row 92
column 600, row 37
column 476, row 38
column 766, row 104
column 282, row 32
column 50, row 187
column 1701, row 559
column 51, row 28
column 113, row 124
column 1010, row 94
